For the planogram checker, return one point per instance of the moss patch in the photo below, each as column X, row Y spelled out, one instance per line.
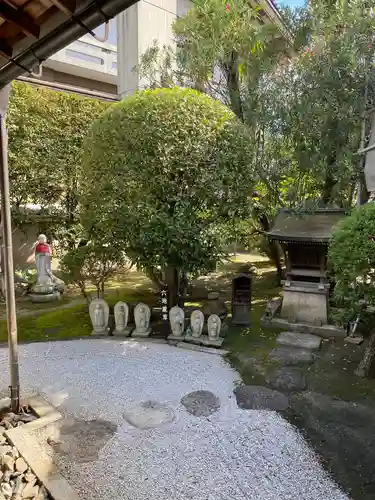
column 53, row 325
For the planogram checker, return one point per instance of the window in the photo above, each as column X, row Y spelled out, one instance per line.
column 84, row 57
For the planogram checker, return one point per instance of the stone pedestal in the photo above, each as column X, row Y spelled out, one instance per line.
column 44, row 293
column 305, row 302
column 193, row 340
column 178, row 338
column 123, row 333
column 206, row 340
column 141, row 334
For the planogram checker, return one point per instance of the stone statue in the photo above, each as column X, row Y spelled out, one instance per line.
column 121, row 311
column 142, row 316
column 47, row 287
column 177, row 322
column 214, row 326
column 43, row 260
column 213, row 329
column 196, row 323
column 99, row 314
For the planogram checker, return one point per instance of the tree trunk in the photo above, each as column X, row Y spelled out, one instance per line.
column 171, row 277
column 366, row 367
column 233, row 83
column 155, row 276
column 272, row 247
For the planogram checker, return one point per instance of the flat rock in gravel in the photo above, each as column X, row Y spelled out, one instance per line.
column 287, row 379
column 286, row 355
column 296, row 339
column 21, row 465
column 201, row 403
column 30, row 491
column 5, row 449
column 6, row 490
column 148, row 414
column 254, row 397
column 8, row 462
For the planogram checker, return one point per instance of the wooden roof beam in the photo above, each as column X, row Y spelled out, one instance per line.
column 22, row 20
column 5, row 49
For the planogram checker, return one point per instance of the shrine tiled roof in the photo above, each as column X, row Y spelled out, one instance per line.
column 314, row 226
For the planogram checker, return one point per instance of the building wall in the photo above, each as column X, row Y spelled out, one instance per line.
column 158, row 16
column 50, row 75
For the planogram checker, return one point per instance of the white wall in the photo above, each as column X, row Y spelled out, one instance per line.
column 137, row 28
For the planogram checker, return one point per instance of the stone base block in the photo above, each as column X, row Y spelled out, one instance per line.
column 100, row 332
column 179, row 338
column 205, row 339
column 305, row 303
column 38, row 298
column 123, row 333
column 141, row 334
column 193, row 340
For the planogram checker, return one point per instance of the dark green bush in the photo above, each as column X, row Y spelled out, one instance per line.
column 352, row 260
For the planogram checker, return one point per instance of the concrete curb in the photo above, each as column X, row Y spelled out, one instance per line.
column 26, row 442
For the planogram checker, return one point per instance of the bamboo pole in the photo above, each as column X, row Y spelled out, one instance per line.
column 8, row 256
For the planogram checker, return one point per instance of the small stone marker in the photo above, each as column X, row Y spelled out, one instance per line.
column 254, row 397
column 303, row 340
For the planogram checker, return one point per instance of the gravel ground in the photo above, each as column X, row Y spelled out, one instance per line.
column 233, row 454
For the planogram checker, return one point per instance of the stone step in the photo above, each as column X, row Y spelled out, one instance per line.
column 297, row 339
column 288, row 355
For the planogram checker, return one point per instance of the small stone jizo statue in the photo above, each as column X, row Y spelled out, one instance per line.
column 213, row 330
column 99, row 314
column 177, row 322
column 142, row 316
column 121, row 312
column 196, row 323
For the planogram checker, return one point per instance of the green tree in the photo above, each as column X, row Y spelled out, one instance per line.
column 304, row 101
column 93, row 264
column 163, row 170
column 46, row 132
column 352, row 259
column 322, row 100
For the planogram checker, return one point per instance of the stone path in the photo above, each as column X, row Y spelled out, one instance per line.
column 133, row 428
column 296, row 349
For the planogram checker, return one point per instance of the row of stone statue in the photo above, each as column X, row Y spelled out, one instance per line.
column 194, row 331
column 99, row 314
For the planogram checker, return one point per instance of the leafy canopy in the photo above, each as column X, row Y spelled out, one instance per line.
column 46, row 131
column 163, row 169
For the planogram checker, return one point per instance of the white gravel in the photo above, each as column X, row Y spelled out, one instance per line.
column 232, row 455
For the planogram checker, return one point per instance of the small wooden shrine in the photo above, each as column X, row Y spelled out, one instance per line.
column 304, row 238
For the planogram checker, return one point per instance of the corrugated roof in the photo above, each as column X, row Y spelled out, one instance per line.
column 314, row 226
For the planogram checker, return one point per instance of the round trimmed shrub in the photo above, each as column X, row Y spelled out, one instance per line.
column 352, row 260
